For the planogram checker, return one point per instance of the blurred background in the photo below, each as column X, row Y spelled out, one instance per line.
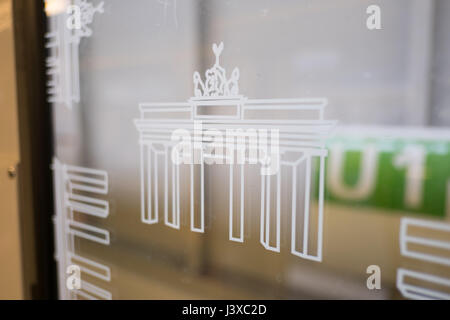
column 389, row 156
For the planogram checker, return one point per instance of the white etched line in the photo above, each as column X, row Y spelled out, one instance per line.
column 67, row 203
column 155, row 178
column 104, row 275
column 320, row 213
column 421, row 293
column 93, row 290
column 306, row 212
column 262, row 218
column 166, row 186
column 87, row 231
column 223, row 109
column 268, row 211
column 230, row 222
column 405, row 239
column 148, row 218
column 278, row 211
column 241, row 238
column 178, row 198
column 101, row 210
column 143, row 193
column 192, row 196
column 294, row 210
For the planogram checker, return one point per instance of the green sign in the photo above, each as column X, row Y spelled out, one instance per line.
column 404, row 174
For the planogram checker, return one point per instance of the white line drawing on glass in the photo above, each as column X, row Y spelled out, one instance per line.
column 406, row 239
column 76, row 190
column 421, row 293
column 423, row 244
column 5, row 16
column 217, row 106
column 63, row 42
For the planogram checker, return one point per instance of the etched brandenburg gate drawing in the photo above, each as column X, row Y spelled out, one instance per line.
column 281, row 134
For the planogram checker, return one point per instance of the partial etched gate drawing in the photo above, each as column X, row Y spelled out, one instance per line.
column 285, row 133
column 76, row 197
column 63, row 40
column 432, row 250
